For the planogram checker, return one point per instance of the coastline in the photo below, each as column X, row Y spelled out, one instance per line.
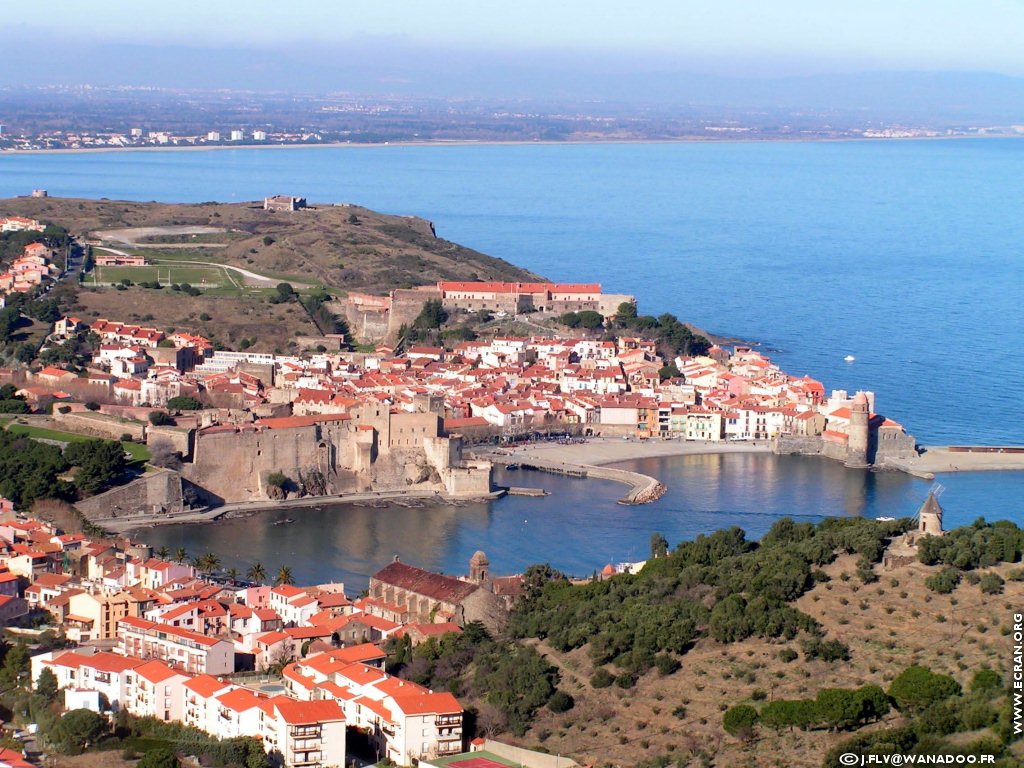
column 493, row 143
column 605, row 451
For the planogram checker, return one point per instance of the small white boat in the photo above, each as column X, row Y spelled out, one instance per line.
column 885, row 519
column 849, row 358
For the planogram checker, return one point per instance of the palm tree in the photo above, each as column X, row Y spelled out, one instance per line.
column 180, row 555
column 232, row 573
column 208, row 563
column 163, row 552
column 256, row 573
column 284, row 576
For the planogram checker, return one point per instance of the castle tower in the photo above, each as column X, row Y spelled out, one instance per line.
column 930, row 516
column 479, row 568
column 857, row 447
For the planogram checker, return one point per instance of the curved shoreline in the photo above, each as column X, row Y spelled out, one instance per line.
column 491, row 143
column 604, row 451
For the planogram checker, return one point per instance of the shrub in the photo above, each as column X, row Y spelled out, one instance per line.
column 986, row 681
column 945, row 581
column 159, row 418
column 787, row 655
column 992, row 584
column 826, row 650
column 92, row 406
column 560, row 702
column 601, row 678
column 184, row 403
column 625, row 680
column 739, row 721
column 666, row 664
column 916, row 688
column 159, row 758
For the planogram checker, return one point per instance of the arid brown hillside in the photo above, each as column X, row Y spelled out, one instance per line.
column 888, row 625
column 347, row 247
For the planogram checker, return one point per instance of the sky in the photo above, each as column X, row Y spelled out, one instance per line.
column 734, row 37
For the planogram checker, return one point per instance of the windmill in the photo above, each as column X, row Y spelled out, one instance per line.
column 928, row 518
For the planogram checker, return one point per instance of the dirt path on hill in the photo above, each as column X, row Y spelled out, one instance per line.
column 132, row 235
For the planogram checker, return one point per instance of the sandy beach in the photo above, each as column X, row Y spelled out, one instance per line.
column 940, row 459
column 600, row 451
column 489, row 142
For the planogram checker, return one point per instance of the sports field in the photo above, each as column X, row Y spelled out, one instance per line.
column 199, row 276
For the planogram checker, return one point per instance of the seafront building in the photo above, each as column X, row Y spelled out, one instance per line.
column 403, row 419
column 179, row 663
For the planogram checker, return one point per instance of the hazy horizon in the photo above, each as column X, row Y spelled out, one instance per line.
column 933, row 60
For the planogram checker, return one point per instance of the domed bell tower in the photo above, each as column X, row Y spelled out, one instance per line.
column 479, row 568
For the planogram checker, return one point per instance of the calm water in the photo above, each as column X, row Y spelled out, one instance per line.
column 905, row 254
column 579, row 527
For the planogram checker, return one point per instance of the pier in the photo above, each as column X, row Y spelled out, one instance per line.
column 643, row 488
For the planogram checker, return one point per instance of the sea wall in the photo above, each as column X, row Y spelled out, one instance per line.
column 797, row 445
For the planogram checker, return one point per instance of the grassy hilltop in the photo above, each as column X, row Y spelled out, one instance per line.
column 235, row 255
column 347, row 247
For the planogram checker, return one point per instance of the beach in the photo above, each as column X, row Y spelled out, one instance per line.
column 602, row 451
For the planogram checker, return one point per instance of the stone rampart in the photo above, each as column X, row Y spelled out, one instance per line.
column 99, row 424
column 154, row 495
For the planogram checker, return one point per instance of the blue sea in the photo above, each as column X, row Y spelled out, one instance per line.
column 905, row 254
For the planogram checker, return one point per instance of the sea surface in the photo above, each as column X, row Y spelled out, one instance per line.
column 904, row 254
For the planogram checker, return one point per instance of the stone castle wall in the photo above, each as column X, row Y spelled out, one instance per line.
column 234, row 464
column 406, row 304
column 100, row 425
column 789, row 445
column 157, row 494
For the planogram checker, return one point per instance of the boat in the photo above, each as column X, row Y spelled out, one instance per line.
column 885, row 519
column 849, row 358
column 284, row 522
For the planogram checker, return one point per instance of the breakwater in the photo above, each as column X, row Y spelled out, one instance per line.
column 643, row 488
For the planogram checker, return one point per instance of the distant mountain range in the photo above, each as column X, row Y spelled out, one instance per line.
column 394, row 68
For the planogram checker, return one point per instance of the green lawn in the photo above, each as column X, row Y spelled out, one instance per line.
column 138, row 451
column 196, row 275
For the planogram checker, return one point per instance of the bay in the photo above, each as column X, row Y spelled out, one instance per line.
column 905, row 254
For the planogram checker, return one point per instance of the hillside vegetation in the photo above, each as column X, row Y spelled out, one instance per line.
column 344, row 246
column 784, row 652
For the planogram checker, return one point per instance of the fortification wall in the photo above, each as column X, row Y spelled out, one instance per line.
column 406, row 304
column 100, row 425
column 893, row 445
column 233, row 464
column 367, row 324
column 180, row 438
column 155, row 495
column 808, row 446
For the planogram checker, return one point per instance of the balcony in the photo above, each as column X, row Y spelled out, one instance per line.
column 306, row 758
column 449, row 747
